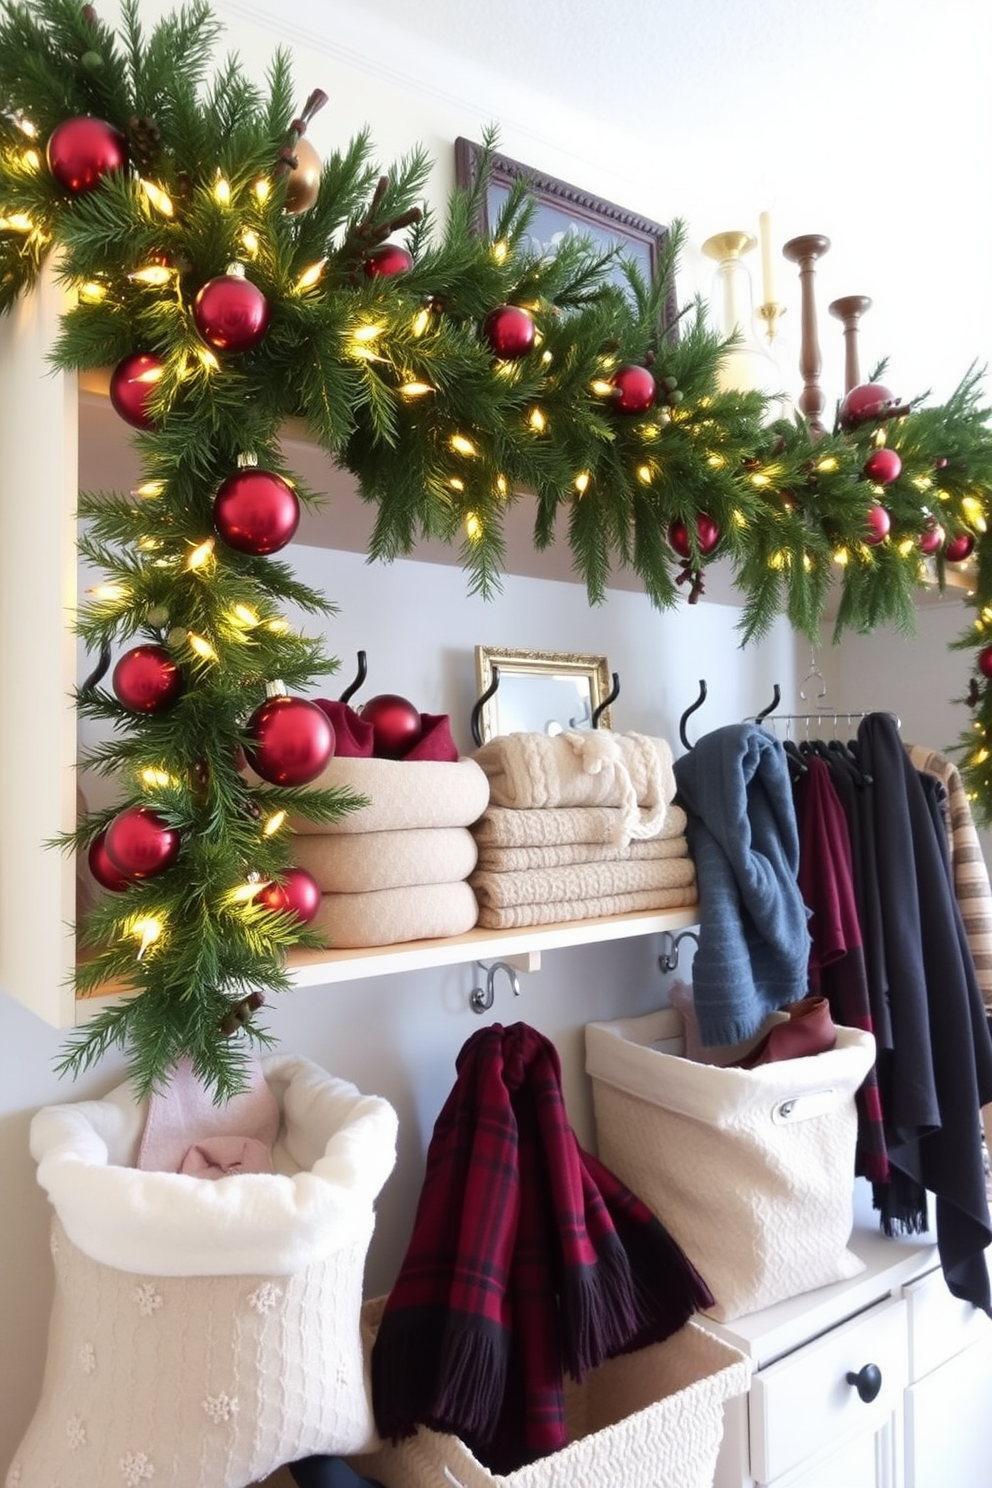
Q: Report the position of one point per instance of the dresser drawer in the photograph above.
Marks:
(804, 1401)
(940, 1325)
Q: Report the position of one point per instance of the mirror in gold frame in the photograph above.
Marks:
(543, 692)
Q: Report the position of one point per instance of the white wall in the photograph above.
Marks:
(729, 127)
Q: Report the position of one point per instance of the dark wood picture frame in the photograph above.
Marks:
(562, 206)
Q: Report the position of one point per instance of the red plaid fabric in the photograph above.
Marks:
(528, 1259)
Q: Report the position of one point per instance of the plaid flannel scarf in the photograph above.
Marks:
(528, 1259)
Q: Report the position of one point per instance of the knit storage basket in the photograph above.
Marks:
(204, 1332)
(648, 1419)
(752, 1171)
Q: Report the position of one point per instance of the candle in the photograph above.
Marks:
(767, 269)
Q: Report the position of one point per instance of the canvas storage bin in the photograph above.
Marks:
(204, 1332)
(752, 1171)
(648, 1419)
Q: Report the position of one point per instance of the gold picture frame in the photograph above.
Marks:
(540, 692)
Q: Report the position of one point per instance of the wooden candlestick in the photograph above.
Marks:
(849, 311)
(805, 251)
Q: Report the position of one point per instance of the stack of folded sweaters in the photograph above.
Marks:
(398, 868)
(578, 825)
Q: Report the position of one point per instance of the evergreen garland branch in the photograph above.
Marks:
(398, 379)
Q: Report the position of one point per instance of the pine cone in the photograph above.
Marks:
(145, 140)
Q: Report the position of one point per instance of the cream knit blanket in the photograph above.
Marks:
(593, 767)
(517, 859)
(559, 826)
(403, 793)
(385, 917)
(582, 881)
(361, 861)
(555, 912)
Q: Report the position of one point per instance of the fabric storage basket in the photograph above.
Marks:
(648, 1419)
(752, 1171)
(204, 1332)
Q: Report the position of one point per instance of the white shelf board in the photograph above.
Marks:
(326, 968)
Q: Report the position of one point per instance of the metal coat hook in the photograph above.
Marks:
(99, 671)
(476, 719)
(610, 697)
(689, 712)
(481, 999)
(668, 960)
(360, 676)
(770, 708)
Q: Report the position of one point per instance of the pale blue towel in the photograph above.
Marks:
(744, 839)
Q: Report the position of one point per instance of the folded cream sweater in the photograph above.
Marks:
(592, 767)
(586, 881)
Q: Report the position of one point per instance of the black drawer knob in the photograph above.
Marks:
(867, 1381)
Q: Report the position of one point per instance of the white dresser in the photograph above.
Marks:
(884, 1381)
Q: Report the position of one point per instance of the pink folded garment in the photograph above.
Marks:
(186, 1132)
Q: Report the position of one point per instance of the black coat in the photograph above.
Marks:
(938, 1072)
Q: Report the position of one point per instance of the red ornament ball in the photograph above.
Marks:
(140, 843)
(271, 896)
(81, 151)
(231, 313)
(879, 525)
(303, 180)
(635, 389)
(985, 661)
(102, 868)
(707, 536)
(883, 466)
(256, 512)
(132, 383)
(509, 332)
(930, 539)
(147, 679)
(958, 548)
(385, 261)
(301, 892)
(869, 400)
(289, 740)
(298, 895)
(396, 724)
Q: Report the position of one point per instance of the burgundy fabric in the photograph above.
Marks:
(528, 1259)
(837, 961)
(808, 1029)
(352, 735)
(435, 742)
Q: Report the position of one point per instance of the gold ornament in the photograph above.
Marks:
(303, 180)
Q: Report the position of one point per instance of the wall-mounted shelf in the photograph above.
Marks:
(322, 968)
(86, 446)
(316, 967)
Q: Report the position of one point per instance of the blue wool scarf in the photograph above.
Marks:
(743, 837)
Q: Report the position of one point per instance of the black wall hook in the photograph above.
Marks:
(776, 699)
(610, 697)
(99, 671)
(689, 711)
(360, 676)
(476, 719)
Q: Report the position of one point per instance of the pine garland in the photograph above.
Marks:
(394, 376)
